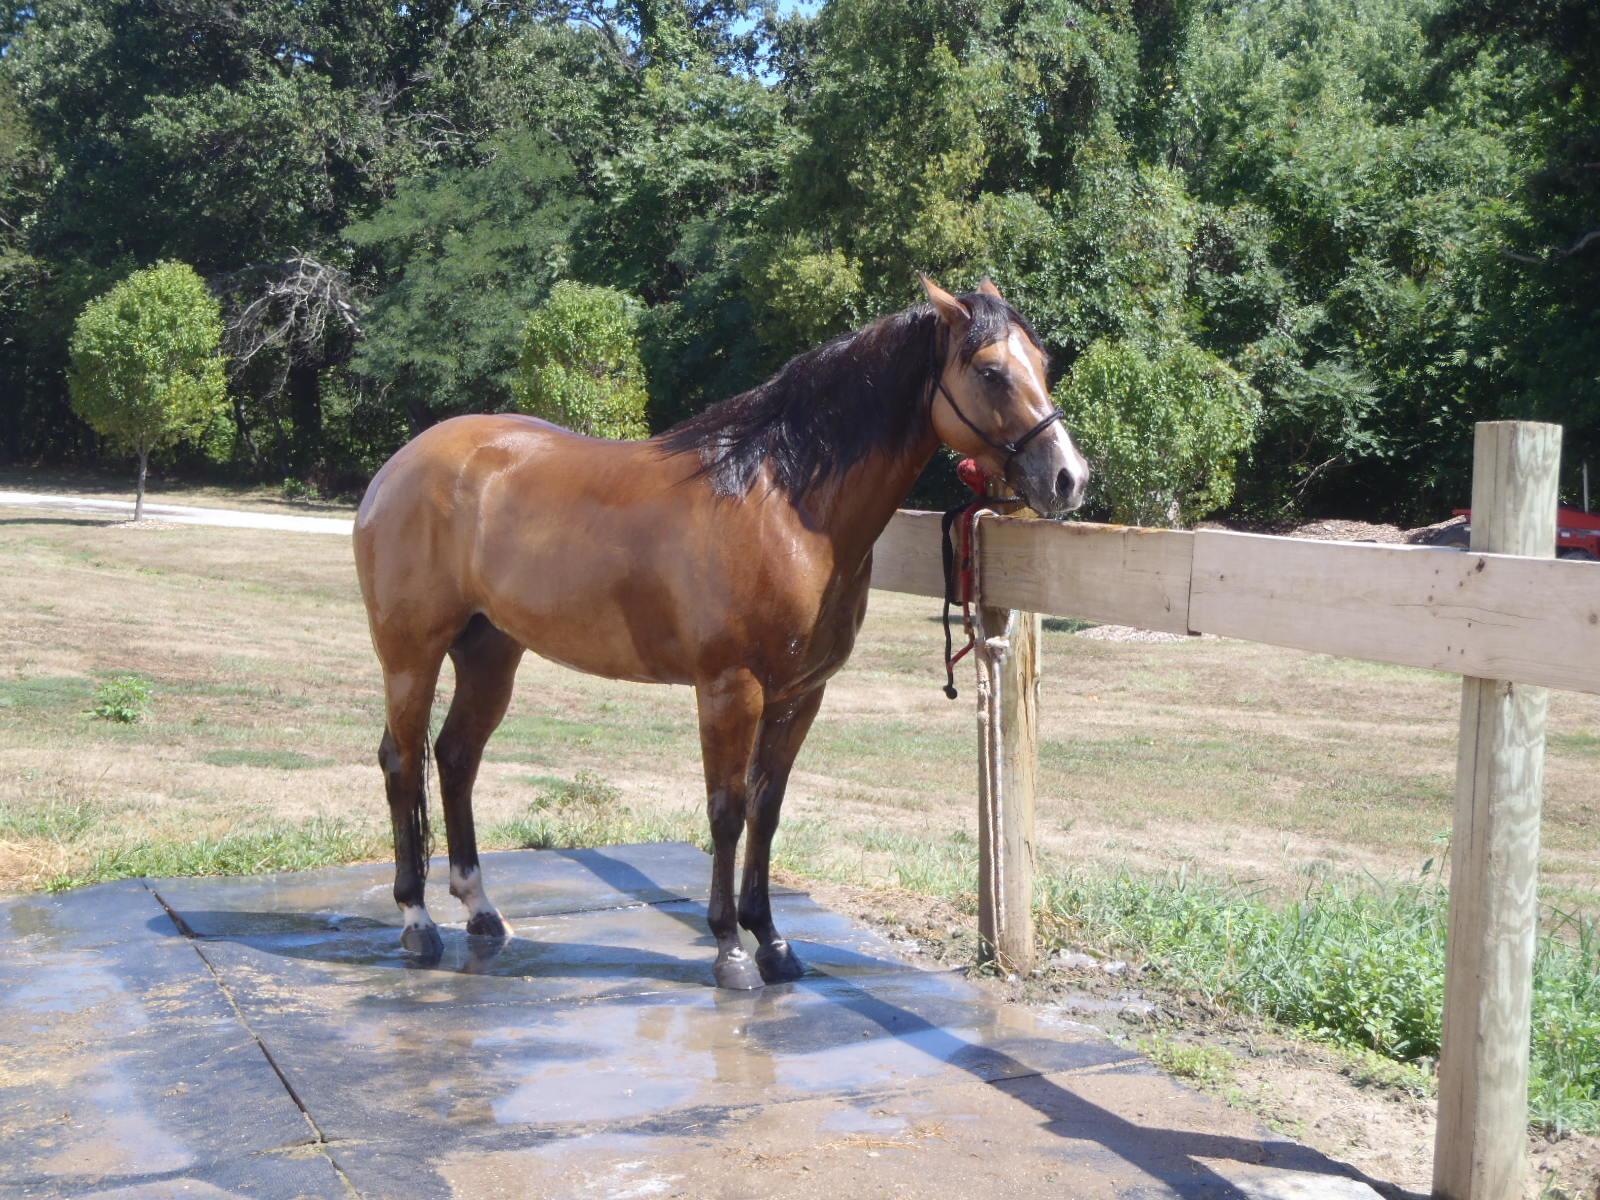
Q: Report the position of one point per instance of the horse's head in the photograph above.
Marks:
(990, 400)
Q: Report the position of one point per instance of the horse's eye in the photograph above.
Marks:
(991, 374)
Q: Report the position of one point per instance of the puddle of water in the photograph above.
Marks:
(1136, 1006)
(113, 1134)
(64, 991)
(594, 1091)
(857, 1120)
(626, 1062)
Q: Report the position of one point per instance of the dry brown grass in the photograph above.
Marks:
(1258, 763)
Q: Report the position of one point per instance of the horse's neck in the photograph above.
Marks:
(858, 508)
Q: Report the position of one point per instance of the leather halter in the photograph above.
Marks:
(1009, 449)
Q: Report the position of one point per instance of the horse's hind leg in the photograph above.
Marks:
(486, 663)
(408, 684)
(783, 731)
(730, 713)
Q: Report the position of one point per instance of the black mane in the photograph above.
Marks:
(828, 408)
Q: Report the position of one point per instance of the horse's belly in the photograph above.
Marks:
(598, 638)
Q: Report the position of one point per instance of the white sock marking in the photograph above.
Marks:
(467, 886)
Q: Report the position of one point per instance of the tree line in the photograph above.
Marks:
(1283, 253)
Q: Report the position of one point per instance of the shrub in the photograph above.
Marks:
(1164, 434)
(146, 371)
(803, 295)
(123, 699)
(580, 364)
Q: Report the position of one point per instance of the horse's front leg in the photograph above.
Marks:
(783, 731)
(730, 714)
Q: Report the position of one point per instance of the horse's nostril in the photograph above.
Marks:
(1064, 483)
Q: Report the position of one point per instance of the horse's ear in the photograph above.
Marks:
(988, 288)
(952, 311)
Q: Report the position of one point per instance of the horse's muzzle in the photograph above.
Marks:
(1051, 475)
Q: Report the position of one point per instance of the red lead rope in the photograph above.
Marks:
(964, 515)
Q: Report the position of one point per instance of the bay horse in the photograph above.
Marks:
(731, 553)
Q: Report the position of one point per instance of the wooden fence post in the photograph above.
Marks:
(1483, 1066)
(1007, 652)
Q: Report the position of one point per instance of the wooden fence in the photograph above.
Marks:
(1504, 614)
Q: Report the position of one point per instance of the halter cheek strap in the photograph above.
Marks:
(1009, 449)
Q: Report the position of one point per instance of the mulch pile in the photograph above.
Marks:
(1359, 531)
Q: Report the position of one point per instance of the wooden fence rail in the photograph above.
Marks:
(1504, 615)
(1491, 616)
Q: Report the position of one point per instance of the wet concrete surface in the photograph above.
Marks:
(266, 1037)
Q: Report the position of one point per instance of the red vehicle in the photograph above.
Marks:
(1577, 533)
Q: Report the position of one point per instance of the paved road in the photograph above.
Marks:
(177, 514)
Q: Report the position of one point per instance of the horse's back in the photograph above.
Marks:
(528, 523)
(440, 467)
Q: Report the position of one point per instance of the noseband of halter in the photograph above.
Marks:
(1009, 449)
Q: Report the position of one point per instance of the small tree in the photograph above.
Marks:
(580, 364)
(146, 371)
(1165, 434)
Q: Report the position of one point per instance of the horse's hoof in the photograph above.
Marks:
(778, 963)
(737, 972)
(488, 924)
(423, 941)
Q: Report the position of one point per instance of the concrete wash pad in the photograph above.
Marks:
(266, 1037)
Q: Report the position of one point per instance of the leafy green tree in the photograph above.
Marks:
(803, 295)
(891, 147)
(580, 365)
(1533, 68)
(1381, 215)
(26, 426)
(1346, 247)
(1164, 433)
(679, 181)
(464, 252)
(242, 139)
(146, 371)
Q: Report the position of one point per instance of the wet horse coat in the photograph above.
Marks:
(731, 554)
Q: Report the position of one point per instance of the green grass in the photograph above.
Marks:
(1580, 742)
(1365, 1068)
(1209, 1066)
(31, 696)
(55, 820)
(1354, 967)
(282, 760)
(588, 811)
(1066, 625)
(274, 847)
